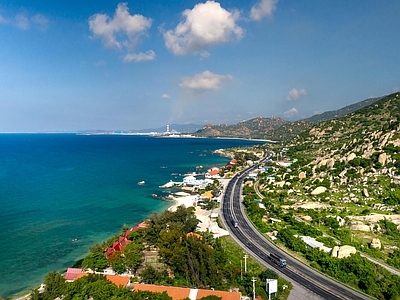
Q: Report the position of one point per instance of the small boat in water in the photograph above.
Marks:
(141, 182)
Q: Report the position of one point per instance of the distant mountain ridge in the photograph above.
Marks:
(277, 129)
(334, 114)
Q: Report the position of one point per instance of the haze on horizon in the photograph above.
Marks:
(69, 65)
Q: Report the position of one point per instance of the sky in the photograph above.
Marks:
(87, 65)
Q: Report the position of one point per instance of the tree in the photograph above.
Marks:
(211, 297)
(96, 261)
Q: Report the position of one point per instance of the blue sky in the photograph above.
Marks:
(80, 65)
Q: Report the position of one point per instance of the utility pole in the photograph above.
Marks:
(241, 270)
(245, 263)
(254, 287)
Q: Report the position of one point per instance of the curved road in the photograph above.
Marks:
(259, 247)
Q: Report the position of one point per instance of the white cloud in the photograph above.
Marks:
(122, 31)
(291, 113)
(149, 55)
(166, 96)
(207, 24)
(295, 94)
(203, 82)
(21, 21)
(262, 9)
(24, 21)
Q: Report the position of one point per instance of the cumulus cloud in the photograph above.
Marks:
(207, 24)
(262, 9)
(149, 55)
(166, 96)
(203, 82)
(296, 94)
(291, 113)
(122, 31)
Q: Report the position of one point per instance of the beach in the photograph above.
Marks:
(207, 217)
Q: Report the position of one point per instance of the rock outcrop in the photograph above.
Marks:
(376, 244)
(318, 190)
(343, 251)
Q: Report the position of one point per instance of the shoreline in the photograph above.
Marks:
(187, 201)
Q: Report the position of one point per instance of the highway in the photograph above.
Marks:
(257, 245)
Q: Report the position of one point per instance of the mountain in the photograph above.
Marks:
(277, 129)
(334, 114)
(340, 179)
(255, 128)
(363, 132)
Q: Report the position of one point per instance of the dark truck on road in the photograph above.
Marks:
(278, 260)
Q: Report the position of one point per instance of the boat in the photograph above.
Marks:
(141, 182)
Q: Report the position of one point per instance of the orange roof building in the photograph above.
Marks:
(123, 281)
(178, 293)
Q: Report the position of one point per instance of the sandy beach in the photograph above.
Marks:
(207, 217)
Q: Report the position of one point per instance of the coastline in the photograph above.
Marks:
(204, 216)
(115, 193)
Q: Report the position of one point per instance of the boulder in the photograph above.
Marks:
(376, 244)
(343, 251)
(302, 175)
(330, 163)
(365, 193)
(307, 218)
(340, 220)
(351, 157)
(382, 158)
(360, 227)
(318, 190)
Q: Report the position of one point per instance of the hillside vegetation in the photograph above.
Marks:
(276, 129)
(338, 182)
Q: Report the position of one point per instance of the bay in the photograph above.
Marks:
(62, 193)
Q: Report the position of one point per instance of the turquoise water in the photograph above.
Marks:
(55, 188)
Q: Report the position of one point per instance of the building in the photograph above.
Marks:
(121, 281)
(178, 293)
(213, 173)
(72, 274)
(191, 181)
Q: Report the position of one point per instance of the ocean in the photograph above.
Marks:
(62, 193)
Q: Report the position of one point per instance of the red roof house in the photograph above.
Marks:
(72, 274)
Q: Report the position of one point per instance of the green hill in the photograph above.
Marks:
(277, 129)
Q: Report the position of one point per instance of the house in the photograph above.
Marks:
(284, 163)
(178, 293)
(72, 274)
(233, 162)
(313, 243)
(252, 175)
(213, 173)
(117, 246)
(192, 181)
(118, 280)
(208, 195)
